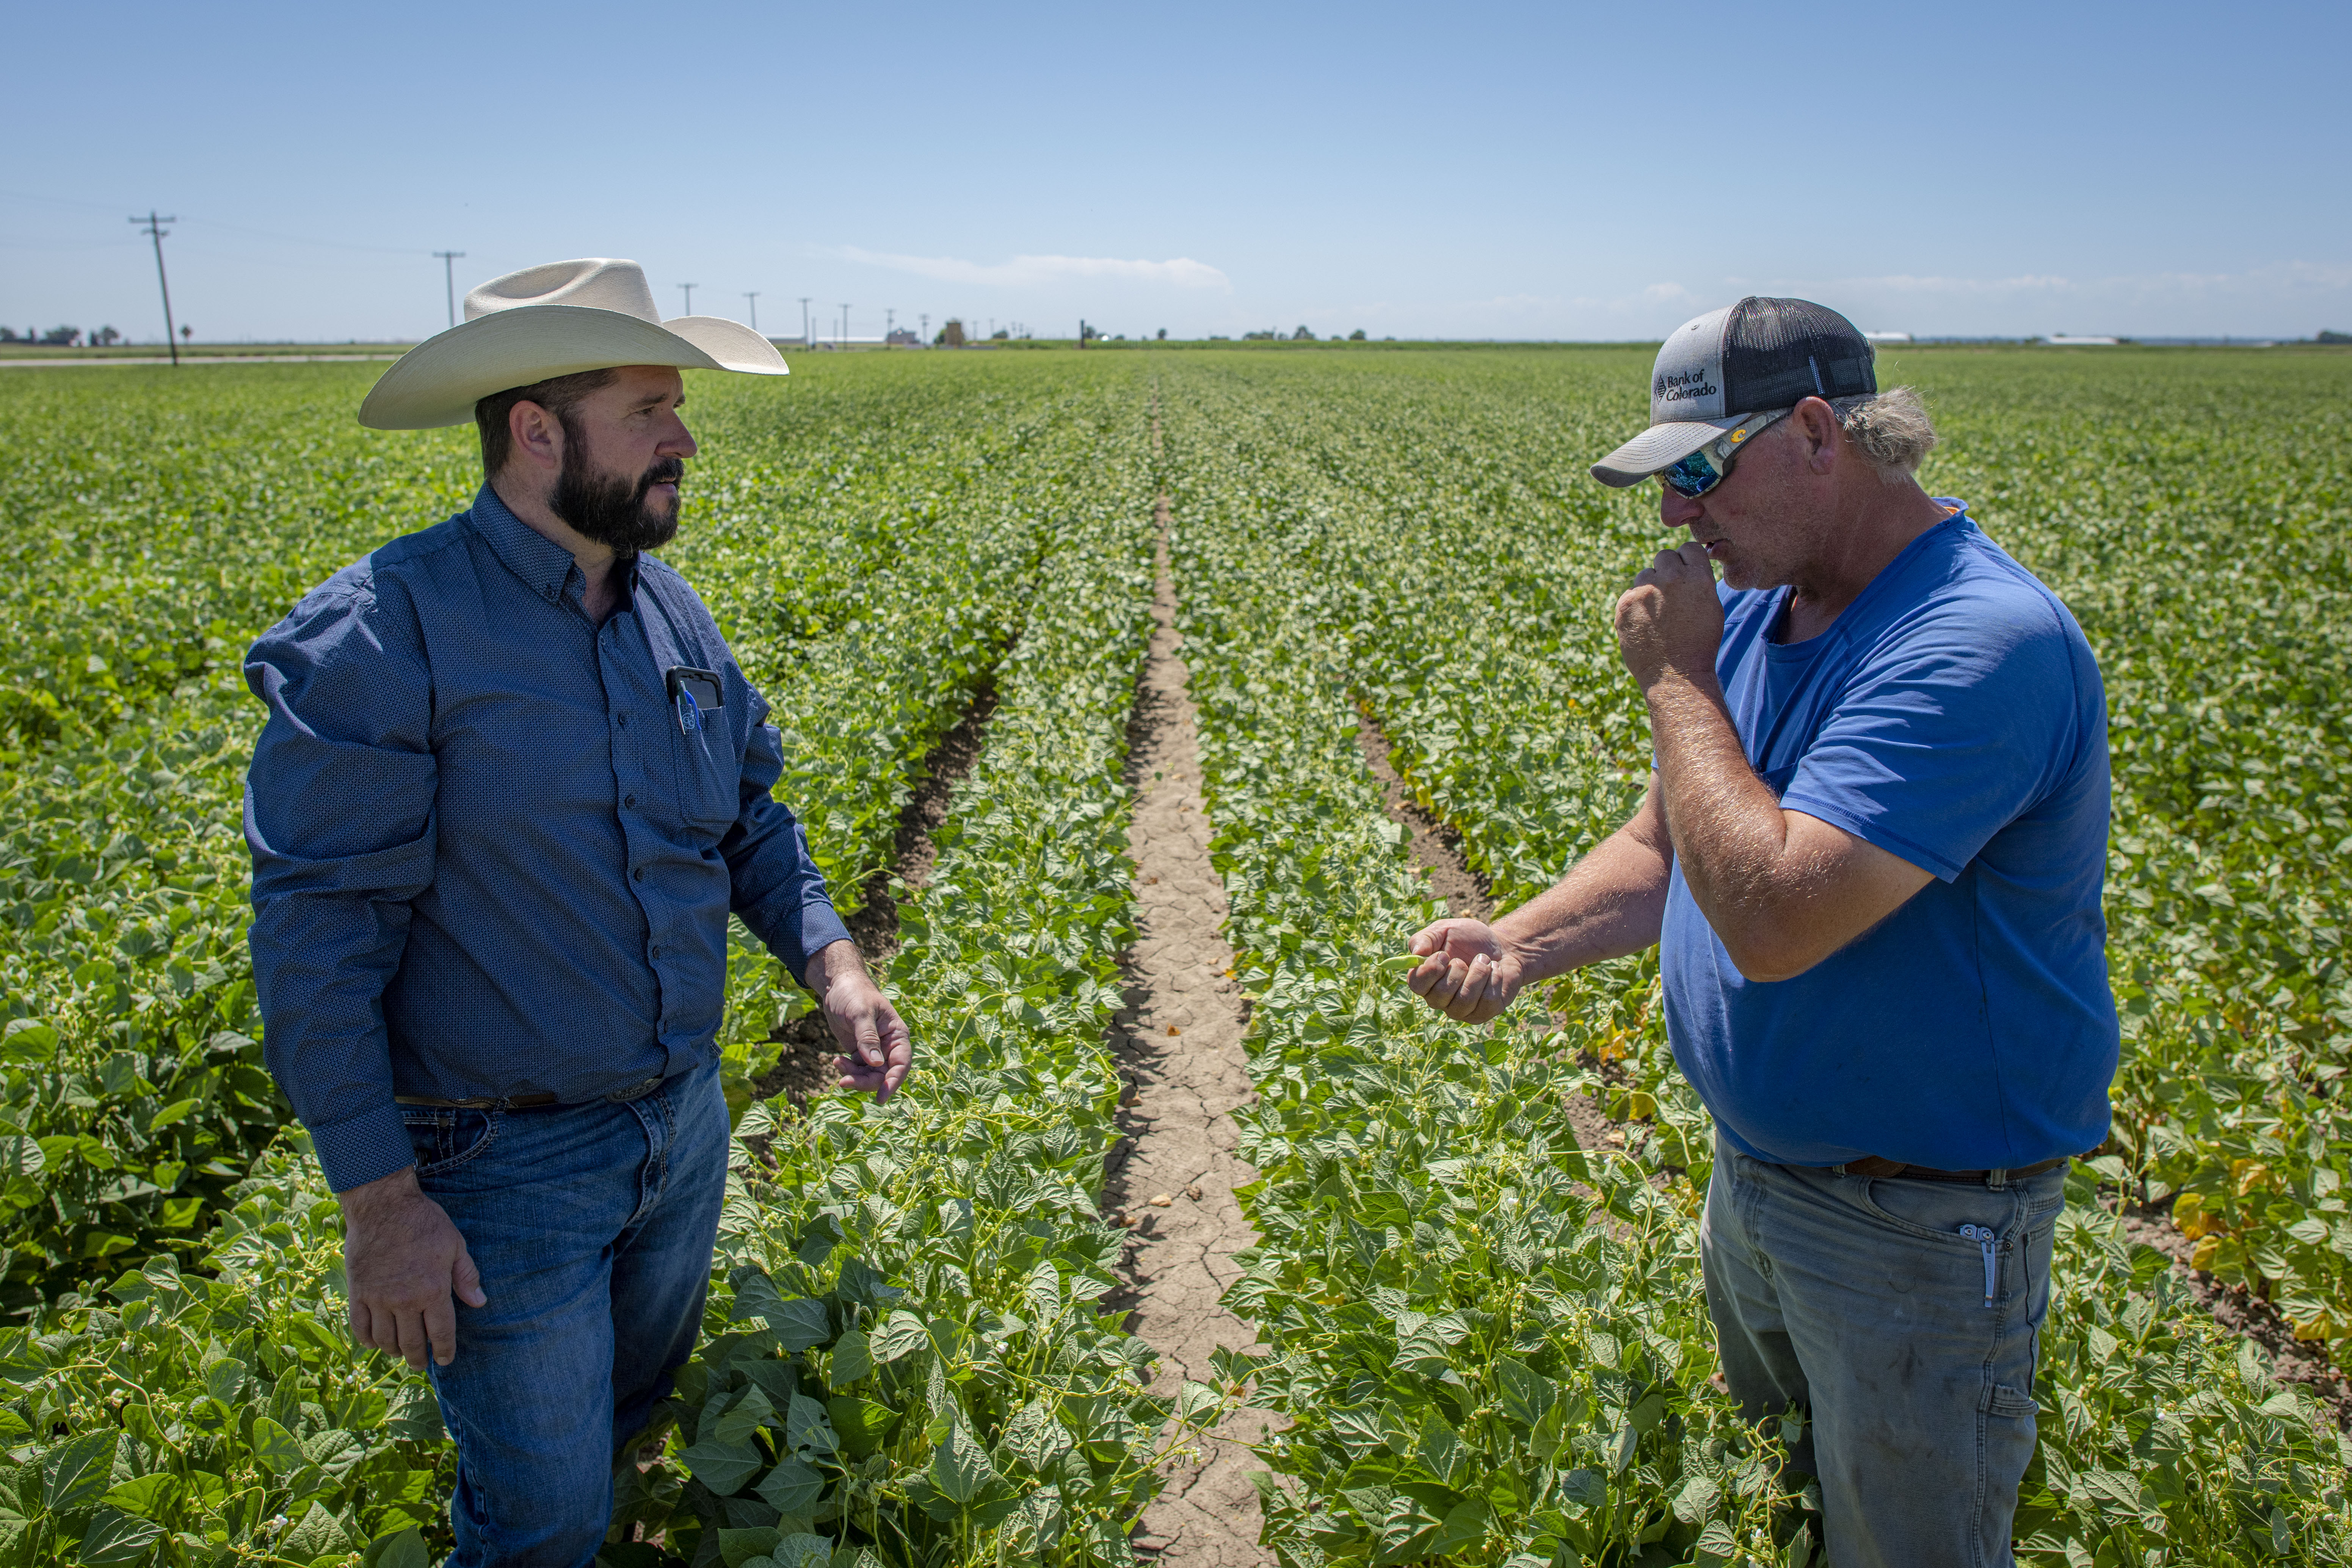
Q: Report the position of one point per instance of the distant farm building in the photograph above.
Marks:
(1888, 337)
(2068, 341)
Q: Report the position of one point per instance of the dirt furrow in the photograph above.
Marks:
(805, 1064)
(1180, 1042)
(1437, 849)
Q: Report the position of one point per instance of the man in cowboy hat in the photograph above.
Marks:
(1871, 854)
(511, 786)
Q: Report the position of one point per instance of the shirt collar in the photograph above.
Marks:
(545, 567)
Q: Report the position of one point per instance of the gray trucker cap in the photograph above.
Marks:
(1730, 365)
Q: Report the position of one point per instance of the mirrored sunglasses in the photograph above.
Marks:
(1711, 464)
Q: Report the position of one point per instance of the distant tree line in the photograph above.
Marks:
(62, 337)
(1301, 336)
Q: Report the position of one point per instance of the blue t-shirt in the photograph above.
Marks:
(1952, 716)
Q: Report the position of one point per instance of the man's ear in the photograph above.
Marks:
(536, 438)
(1816, 424)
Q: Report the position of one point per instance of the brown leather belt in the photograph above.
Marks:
(1878, 1170)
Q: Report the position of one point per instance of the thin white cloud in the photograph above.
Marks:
(1032, 271)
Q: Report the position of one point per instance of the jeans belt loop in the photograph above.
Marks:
(1997, 1178)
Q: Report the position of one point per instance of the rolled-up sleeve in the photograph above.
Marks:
(339, 814)
(777, 887)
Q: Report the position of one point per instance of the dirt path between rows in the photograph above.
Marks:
(1179, 1041)
(1437, 849)
(804, 1064)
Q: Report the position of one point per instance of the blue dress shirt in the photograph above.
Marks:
(490, 858)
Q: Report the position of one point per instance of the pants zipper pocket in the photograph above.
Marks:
(1986, 1243)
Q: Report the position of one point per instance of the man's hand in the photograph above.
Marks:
(879, 1053)
(1670, 621)
(402, 1259)
(1467, 973)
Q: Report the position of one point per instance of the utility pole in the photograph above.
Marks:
(927, 329)
(844, 324)
(689, 297)
(753, 296)
(449, 279)
(890, 323)
(808, 335)
(155, 231)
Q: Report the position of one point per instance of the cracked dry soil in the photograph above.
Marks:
(1179, 1041)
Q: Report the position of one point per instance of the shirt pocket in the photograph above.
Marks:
(709, 776)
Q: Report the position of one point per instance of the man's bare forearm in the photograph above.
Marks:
(1782, 890)
(1726, 825)
(1610, 904)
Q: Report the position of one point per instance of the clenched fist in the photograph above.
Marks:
(1670, 621)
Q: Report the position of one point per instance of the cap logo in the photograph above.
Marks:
(1680, 385)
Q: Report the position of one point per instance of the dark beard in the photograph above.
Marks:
(614, 510)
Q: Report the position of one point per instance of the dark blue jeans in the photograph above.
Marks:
(593, 1225)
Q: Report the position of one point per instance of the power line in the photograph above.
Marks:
(156, 231)
(450, 279)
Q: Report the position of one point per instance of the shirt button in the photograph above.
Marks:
(656, 950)
(639, 873)
(623, 721)
(629, 800)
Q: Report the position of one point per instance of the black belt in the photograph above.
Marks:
(524, 1101)
(1870, 1165)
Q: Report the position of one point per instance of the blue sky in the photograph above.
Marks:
(1466, 170)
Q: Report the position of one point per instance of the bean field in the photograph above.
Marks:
(1480, 1330)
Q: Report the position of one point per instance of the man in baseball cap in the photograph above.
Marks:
(511, 786)
(1871, 854)
(1722, 378)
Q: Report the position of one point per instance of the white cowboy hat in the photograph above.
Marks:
(556, 319)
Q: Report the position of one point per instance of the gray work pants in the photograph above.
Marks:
(1911, 1344)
